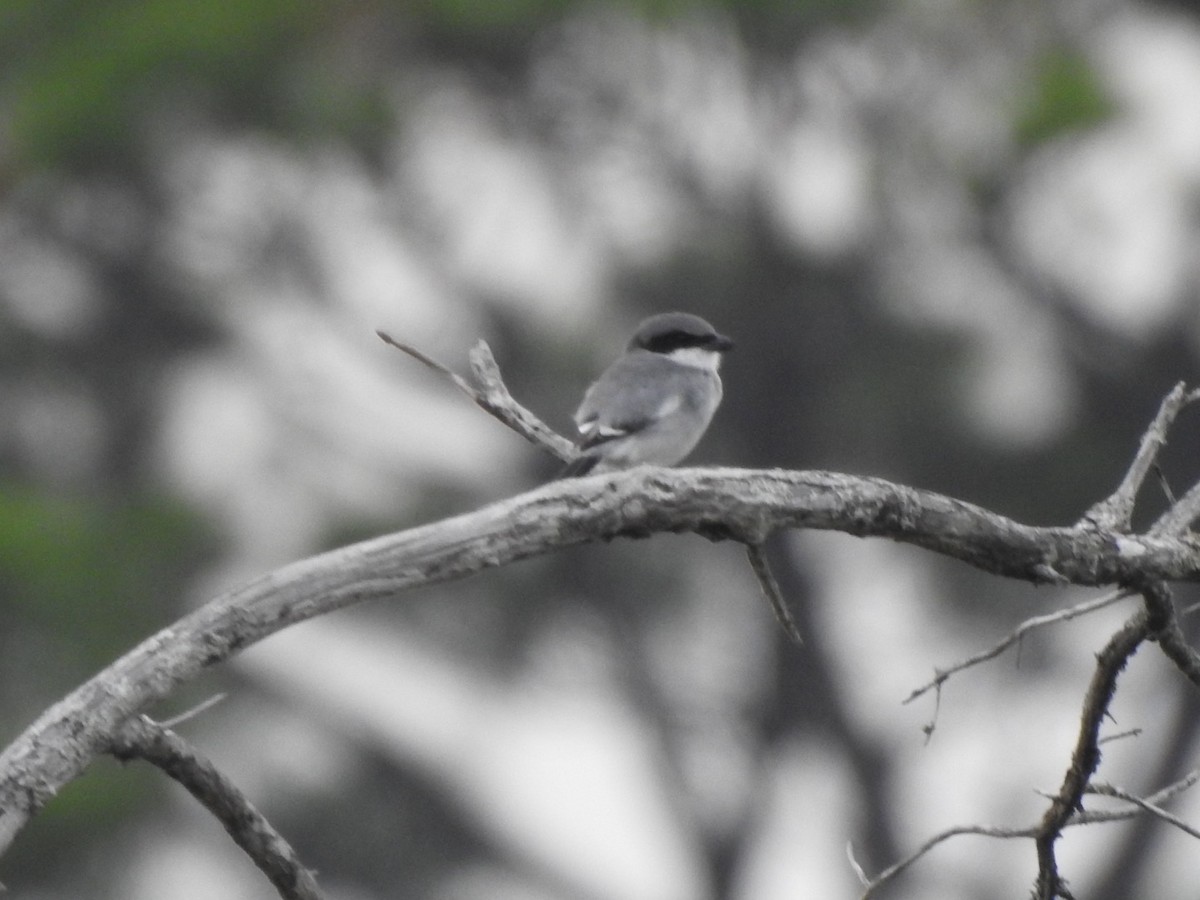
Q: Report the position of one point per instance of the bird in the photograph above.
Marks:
(654, 403)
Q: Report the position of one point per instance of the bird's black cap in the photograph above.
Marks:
(675, 330)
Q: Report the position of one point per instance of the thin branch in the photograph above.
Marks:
(771, 590)
(189, 714)
(1120, 735)
(1165, 485)
(1115, 512)
(142, 738)
(1062, 615)
(1162, 795)
(1086, 756)
(461, 383)
(872, 885)
(931, 726)
(1159, 797)
(491, 395)
(1106, 790)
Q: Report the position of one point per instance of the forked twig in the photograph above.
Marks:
(1062, 615)
(1150, 805)
(491, 395)
(1147, 804)
(1157, 621)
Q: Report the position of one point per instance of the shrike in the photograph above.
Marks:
(653, 404)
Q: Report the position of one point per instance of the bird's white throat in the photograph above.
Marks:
(698, 357)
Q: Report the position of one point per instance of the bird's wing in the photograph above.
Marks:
(633, 393)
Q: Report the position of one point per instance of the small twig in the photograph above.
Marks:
(859, 872)
(1173, 790)
(142, 738)
(1062, 615)
(186, 715)
(493, 397)
(1115, 512)
(420, 357)
(872, 885)
(1165, 485)
(770, 588)
(931, 726)
(1105, 816)
(1150, 806)
(1120, 735)
(1162, 795)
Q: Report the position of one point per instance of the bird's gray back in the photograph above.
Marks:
(630, 393)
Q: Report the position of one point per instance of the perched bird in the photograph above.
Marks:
(653, 404)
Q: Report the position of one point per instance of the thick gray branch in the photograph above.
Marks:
(739, 504)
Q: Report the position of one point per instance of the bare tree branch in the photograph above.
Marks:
(140, 737)
(738, 504)
(1157, 620)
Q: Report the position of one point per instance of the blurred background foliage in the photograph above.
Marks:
(955, 242)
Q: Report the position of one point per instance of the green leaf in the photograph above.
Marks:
(1067, 95)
